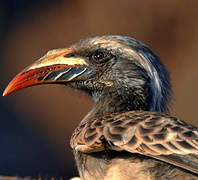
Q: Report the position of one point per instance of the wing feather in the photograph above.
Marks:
(151, 134)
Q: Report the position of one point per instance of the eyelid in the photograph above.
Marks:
(107, 55)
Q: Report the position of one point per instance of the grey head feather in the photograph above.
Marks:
(160, 88)
(159, 81)
(159, 78)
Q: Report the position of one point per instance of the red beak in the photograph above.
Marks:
(57, 66)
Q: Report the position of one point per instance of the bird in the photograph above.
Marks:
(129, 133)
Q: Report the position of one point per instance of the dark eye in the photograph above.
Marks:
(99, 56)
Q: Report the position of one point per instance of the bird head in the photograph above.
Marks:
(113, 66)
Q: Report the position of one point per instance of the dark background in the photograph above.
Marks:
(36, 123)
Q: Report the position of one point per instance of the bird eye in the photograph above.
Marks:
(99, 56)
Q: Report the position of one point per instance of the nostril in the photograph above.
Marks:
(69, 55)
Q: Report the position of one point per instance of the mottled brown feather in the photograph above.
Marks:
(148, 133)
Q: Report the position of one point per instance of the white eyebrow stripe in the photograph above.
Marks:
(143, 60)
(153, 73)
(57, 60)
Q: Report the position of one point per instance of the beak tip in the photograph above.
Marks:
(5, 92)
(8, 90)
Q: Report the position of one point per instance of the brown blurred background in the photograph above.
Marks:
(36, 123)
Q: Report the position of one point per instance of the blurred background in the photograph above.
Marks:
(36, 123)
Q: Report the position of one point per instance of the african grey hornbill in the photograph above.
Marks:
(128, 134)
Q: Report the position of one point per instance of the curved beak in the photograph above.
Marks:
(57, 66)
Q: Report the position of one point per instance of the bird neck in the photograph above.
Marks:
(115, 101)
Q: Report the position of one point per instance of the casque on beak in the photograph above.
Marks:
(57, 66)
